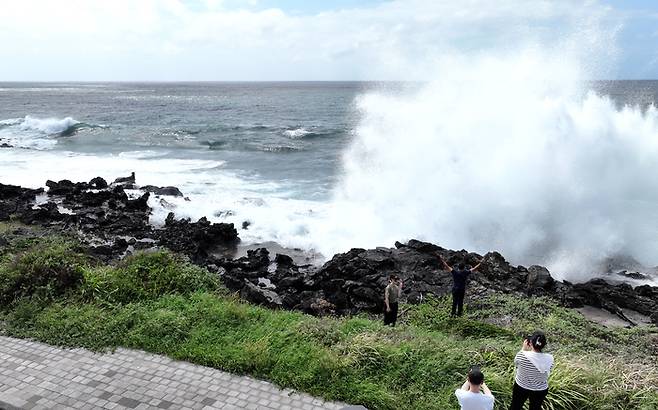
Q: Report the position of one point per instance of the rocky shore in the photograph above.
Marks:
(111, 224)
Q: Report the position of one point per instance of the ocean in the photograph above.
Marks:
(287, 157)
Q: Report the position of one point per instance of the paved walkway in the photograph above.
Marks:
(38, 376)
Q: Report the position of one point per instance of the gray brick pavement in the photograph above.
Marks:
(38, 376)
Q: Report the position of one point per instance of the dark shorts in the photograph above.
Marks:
(391, 317)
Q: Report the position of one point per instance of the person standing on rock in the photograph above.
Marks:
(391, 298)
(459, 277)
(532, 370)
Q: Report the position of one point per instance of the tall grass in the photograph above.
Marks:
(160, 303)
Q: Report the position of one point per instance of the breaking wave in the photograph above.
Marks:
(510, 153)
(36, 133)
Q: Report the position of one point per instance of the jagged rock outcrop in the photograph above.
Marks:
(196, 239)
(354, 281)
(15, 199)
(167, 190)
(113, 225)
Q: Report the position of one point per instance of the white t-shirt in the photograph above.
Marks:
(474, 401)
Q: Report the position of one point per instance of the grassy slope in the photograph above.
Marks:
(160, 303)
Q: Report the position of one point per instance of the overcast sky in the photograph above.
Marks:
(228, 40)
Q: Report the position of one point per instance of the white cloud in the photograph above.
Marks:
(177, 40)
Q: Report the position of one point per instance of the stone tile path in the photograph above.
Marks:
(38, 376)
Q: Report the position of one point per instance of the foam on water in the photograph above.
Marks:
(48, 126)
(210, 190)
(36, 133)
(297, 132)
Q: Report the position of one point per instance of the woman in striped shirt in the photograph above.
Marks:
(532, 370)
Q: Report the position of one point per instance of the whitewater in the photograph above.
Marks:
(530, 160)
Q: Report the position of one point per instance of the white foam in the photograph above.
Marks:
(34, 133)
(502, 153)
(297, 132)
(213, 192)
(11, 121)
(142, 154)
(48, 126)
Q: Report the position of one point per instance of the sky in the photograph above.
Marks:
(263, 40)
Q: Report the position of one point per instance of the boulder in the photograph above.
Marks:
(126, 180)
(538, 279)
(261, 296)
(167, 190)
(98, 183)
(138, 204)
(65, 187)
(43, 214)
(196, 239)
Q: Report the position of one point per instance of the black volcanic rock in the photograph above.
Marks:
(538, 279)
(43, 214)
(167, 190)
(139, 204)
(17, 192)
(350, 282)
(196, 239)
(65, 187)
(354, 281)
(15, 199)
(261, 296)
(126, 180)
(98, 183)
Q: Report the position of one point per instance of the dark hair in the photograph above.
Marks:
(475, 376)
(462, 266)
(537, 340)
(392, 276)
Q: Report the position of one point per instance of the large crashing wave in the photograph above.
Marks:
(509, 153)
(36, 133)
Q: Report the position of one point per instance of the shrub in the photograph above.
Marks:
(146, 275)
(45, 270)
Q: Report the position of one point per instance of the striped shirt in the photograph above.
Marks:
(527, 374)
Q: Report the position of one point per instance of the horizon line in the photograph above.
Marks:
(258, 81)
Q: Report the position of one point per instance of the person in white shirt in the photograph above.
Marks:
(474, 393)
(532, 370)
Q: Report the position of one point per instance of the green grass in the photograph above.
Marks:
(144, 276)
(47, 269)
(160, 303)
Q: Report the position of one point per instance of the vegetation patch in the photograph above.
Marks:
(160, 303)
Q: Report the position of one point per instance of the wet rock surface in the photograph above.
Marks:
(108, 220)
(113, 224)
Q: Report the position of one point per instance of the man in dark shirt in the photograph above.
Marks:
(459, 277)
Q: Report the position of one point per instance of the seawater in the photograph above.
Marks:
(331, 165)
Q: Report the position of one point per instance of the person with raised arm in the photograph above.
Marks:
(459, 277)
(532, 370)
(474, 393)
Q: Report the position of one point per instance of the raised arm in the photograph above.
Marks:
(466, 385)
(474, 268)
(448, 267)
(485, 389)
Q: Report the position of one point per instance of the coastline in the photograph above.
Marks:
(117, 281)
(112, 226)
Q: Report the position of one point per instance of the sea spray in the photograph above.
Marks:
(510, 153)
